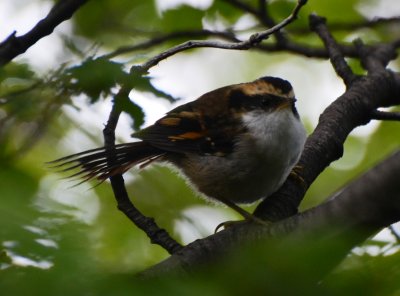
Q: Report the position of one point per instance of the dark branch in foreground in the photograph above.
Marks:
(363, 207)
(14, 46)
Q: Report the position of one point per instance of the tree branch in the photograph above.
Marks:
(318, 24)
(382, 115)
(376, 58)
(288, 46)
(156, 234)
(13, 46)
(363, 207)
(167, 37)
(261, 13)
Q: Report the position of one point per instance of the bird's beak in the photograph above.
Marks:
(286, 102)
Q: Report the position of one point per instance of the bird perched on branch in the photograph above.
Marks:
(236, 144)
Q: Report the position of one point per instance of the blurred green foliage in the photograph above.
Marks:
(48, 249)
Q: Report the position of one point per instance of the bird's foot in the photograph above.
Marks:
(296, 175)
(248, 218)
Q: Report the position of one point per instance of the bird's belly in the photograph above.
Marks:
(238, 180)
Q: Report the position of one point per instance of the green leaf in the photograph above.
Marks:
(106, 18)
(227, 11)
(134, 110)
(16, 70)
(182, 18)
(335, 11)
(280, 10)
(143, 84)
(14, 77)
(95, 76)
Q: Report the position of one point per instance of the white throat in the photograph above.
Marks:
(274, 132)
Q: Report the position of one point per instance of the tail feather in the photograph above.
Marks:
(102, 163)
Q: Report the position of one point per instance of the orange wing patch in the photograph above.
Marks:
(187, 136)
(170, 121)
(188, 114)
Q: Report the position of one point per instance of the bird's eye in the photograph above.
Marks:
(265, 102)
(236, 99)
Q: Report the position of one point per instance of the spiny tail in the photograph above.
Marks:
(102, 163)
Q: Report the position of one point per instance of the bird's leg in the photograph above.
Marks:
(246, 215)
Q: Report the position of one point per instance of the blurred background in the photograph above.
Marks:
(55, 100)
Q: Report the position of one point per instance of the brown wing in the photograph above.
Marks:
(196, 127)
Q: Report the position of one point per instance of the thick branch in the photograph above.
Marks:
(364, 206)
(14, 46)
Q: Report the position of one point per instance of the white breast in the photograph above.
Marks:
(276, 141)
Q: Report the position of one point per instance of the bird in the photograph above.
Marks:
(236, 144)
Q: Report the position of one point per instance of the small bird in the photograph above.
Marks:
(236, 144)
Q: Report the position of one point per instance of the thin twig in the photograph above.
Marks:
(167, 37)
(13, 46)
(267, 20)
(261, 13)
(382, 115)
(288, 45)
(318, 24)
(156, 234)
(253, 41)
